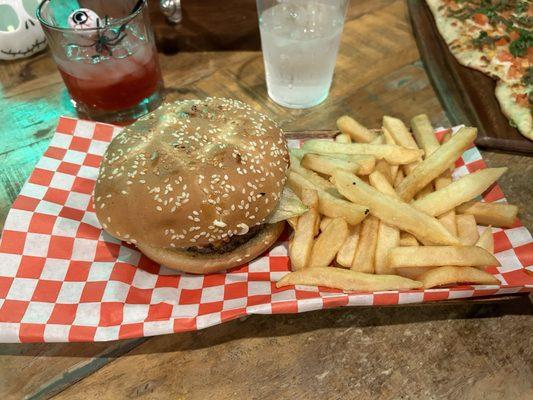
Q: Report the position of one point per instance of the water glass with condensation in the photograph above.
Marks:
(300, 41)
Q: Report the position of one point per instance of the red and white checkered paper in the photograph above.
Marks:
(63, 279)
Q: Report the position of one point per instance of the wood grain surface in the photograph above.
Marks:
(466, 351)
(467, 95)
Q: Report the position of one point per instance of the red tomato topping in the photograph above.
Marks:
(501, 42)
(514, 35)
(504, 56)
(521, 99)
(514, 72)
(480, 19)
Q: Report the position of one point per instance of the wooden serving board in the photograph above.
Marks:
(467, 95)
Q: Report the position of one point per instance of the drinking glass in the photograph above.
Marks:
(300, 40)
(108, 60)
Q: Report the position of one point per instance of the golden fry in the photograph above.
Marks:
(467, 229)
(381, 183)
(395, 212)
(388, 238)
(326, 165)
(459, 191)
(343, 138)
(448, 220)
(435, 256)
(486, 240)
(391, 153)
(329, 205)
(400, 176)
(363, 260)
(293, 222)
(424, 134)
(401, 136)
(347, 251)
(378, 140)
(445, 276)
(406, 239)
(324, 222)
(500, 215)
(384, 168)
(355, 130)
(346, 279)
(316, 180)
(328, 243)
(436, 163)
(302, 244)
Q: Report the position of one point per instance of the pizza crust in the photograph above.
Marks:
(520, 115)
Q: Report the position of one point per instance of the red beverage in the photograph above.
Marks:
(115, 83)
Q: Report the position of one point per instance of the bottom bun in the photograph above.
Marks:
(196, 263)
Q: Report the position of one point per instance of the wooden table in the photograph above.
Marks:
(467, 351)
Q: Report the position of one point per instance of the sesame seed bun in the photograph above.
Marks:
(192, 174)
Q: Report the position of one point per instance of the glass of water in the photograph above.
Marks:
(300, 40)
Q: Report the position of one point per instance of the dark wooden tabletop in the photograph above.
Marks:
(437, 351)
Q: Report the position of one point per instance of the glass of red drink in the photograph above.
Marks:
(105, 52)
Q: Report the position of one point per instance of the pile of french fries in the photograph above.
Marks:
(384, 213)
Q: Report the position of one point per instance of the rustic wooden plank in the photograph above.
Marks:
(438, 351)
(40, 370)
(467, 94)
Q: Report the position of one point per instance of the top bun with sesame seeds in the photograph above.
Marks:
(193, 183)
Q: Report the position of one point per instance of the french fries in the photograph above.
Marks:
(467, 229)
(345, 279)
(436, 163)
(399, 132)
(449, 222)
(316, 180)
(366, 162)
(486, 240)
(302, 244)
(328, 243)
(444, 276)
(500, 215)
(424, 134)
(293, 221)
(329, 205)
(378, 140)
(459, 191)
(363, 260)
(388, 238)
(393, 154)
(387, 136)
(324, 222)
(347, 251)
(326, 165)
(343, 138)
(381, 183)
(390, 217)
(406, 239)
(448, 218)
(399, 178)
(401, 136)
(355, 130)
(395, 212)
(435, 256)
(384, 169)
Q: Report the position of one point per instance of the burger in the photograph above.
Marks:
(197, 185)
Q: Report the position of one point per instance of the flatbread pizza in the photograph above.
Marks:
(496, 38)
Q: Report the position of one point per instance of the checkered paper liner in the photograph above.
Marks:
(63, 279)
